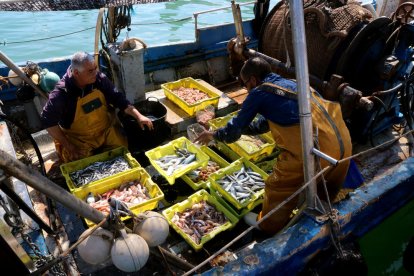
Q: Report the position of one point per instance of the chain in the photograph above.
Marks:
(17, 225)
(26, 158)
(40, 259)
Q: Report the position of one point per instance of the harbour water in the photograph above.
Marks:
(384, 246)
(43, 35)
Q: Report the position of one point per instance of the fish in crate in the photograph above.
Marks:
(199, 220)
(130, 193)
(172, 162)
(242, 184)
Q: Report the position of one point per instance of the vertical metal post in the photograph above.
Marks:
(98, 30)
(238, 24)
(302, 78)
(195, 24)
(111, 23)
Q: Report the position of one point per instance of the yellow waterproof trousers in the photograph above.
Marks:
(92, 128)
(287, 176)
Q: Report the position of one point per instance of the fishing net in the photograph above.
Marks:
(326, 27)
(59, 5)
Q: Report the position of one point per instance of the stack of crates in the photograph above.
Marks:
(78, 165)
(104, 185)
(137, 174)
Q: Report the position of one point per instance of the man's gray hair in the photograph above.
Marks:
(79, 59)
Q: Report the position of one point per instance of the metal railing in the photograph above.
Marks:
(196, 14)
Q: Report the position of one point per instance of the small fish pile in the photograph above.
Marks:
(251, 143)
(190, 95)
(171, 163)
(202, 174)
(242, 184)
(131, 193)
(99, 170)
(204, 116)
(199, 220)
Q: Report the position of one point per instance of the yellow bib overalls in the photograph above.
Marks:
(92, 127)
(287, 175)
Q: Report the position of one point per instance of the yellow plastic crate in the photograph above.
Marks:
(266, 163)
(213, 157)
(168, 149)
(227, 151)
(237, 213)
(140, 174)
(239, 147)
(236, 166)
(193, 199)
(191, 109)
(70, 167)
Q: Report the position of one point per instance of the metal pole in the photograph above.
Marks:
(33, 178)
(98, 30)
(302, 78)
(23, 206)
(111, 23)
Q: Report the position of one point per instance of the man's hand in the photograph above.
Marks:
(74, 152)
(145, 121)
(141, 119)
(205, 137)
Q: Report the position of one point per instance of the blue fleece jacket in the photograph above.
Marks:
(278, 109)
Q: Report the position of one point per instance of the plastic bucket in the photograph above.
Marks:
(139, 139)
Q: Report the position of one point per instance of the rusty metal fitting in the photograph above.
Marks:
(365, 103)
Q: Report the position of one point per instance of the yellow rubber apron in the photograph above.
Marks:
(92, 127)
(287, 175)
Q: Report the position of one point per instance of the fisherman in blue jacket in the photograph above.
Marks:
(275, 99)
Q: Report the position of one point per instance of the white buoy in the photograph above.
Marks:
(152, 227)
(14, 79)
(129, 252)
(96, 248)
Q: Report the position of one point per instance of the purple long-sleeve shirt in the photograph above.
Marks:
(61, 107)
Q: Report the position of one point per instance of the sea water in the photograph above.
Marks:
(384, 246)
(43, 35)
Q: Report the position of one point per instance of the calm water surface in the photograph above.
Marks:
(41, 35)
(384, 246)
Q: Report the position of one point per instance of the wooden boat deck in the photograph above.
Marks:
(371, 165)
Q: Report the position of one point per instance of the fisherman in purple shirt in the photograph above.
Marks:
(77, 114)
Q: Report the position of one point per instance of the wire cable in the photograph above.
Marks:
(46, 38)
